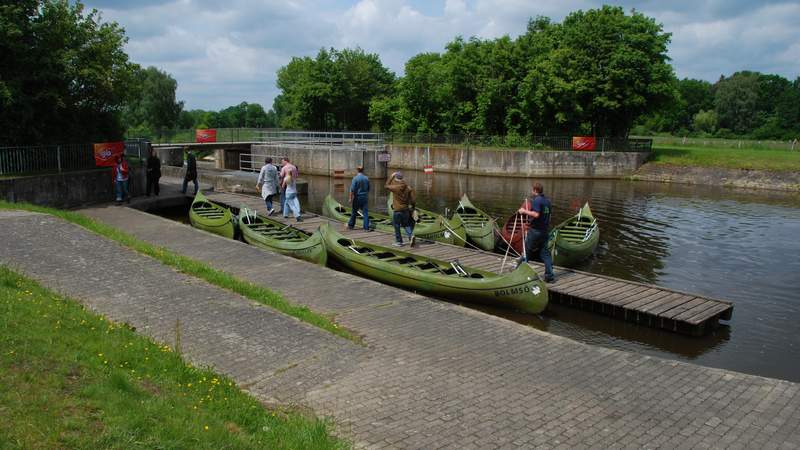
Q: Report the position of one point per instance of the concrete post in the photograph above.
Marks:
(58, 156)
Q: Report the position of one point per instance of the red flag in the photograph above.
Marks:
(583, 143)
(105, 153)
(205, 135)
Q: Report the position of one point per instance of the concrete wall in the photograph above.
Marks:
(517, 163)
(226, 180)
(326, 161)
(69, 189)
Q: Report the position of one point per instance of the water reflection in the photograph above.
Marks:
(738, 245)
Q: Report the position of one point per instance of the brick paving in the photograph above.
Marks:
(432, 374)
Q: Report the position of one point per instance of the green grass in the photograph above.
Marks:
(746, 158)
(73, 379)
(195, 268)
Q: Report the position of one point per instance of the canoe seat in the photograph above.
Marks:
(405, 260)
(383, 255)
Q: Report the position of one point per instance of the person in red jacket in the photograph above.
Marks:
(121, 171)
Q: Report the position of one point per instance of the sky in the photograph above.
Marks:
(223, 53)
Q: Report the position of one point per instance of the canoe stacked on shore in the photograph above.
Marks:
(436, 227)
(210, 216)
(571, 241)
(431, 228)
(284, 239)
(521, 289)
(480, 227)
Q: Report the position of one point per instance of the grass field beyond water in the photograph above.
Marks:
(728, 158)
(73, 379)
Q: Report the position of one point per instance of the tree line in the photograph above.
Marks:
(65, 77)
(600, 72)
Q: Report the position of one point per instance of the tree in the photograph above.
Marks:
(64, 76)
(331, 91)
(153, 104)
(705, 121)
(736, 102)
(607, 69)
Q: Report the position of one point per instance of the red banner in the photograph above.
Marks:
(105, 154)
(205, 135)
(584, 143)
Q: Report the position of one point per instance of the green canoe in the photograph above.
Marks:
(521, 289)
(431, 224)
(207, 215)
(433, 230)
(575, 239)
(480, 227)
(284, 239)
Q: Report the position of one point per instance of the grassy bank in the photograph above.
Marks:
(73, 379)
(194, 268)
(745, 158)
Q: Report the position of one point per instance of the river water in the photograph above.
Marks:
(737, 245)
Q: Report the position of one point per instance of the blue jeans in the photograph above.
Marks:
(283, 200)
(122, 190)
(536, 248)
(268, 202)
(359, 204)
(293, 203)
(402, 219)
(186, 182)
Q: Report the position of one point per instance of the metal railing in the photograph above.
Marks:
(252, 162)
(34, 159)
(188, 136)
(709, 142)
(517, 142)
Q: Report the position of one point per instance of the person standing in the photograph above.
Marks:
(359, 196)
(120, 172)
(289, 185)
(191, 172)
(538, 210)
(269, 183)
(286, 169)
(153, 171)
(403, 199)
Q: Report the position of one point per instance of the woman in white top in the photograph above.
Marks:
(268, 182)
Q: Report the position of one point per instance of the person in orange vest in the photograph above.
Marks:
(120, 174)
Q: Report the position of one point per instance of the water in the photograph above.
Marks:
(736, 245)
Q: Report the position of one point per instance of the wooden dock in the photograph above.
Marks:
(627, 300)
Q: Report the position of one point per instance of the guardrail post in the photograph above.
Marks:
(58, 156)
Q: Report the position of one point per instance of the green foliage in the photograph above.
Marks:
(705, 121)
(64, 76)
(597, 72)
(73, 379)
(153, 103)
(331, 91)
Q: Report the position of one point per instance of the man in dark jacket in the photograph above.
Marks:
(153, 171)
(191, 172)
(403, 201)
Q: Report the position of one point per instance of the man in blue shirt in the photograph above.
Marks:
(536, 242)
(359, 194)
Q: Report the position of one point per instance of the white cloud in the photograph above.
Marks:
(222, 54)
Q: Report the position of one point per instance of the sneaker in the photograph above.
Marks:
(299, 219)
(350, 228)
(549, 279)
(398, 244)
(285, 217)
(413, 241)
(271, 211)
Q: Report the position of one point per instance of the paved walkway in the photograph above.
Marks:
(432, 374)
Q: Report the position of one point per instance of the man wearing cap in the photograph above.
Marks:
(403, 199)
(359, 195)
